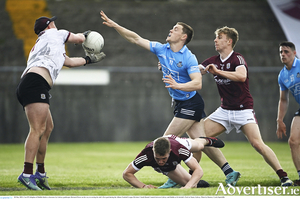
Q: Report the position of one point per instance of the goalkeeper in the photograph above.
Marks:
(45, 61)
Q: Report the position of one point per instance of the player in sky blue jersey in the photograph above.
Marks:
(177, 64)
(289, 80)
(182, 77)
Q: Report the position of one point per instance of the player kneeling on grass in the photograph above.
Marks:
(165, 154)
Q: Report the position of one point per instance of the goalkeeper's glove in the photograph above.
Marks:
(86, 33)
(93, 57)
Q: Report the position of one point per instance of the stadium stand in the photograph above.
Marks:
(259, 30)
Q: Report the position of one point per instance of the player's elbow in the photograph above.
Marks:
(242, 79)
(198, 172)
(70, 63)
(125, 174)
(198, 85)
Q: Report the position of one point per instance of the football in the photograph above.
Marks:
(94, 42)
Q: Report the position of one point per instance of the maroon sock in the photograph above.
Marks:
(28, 168)
(40, 167)
(281, 173)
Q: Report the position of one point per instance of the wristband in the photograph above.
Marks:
(143, 186)
(202, 67)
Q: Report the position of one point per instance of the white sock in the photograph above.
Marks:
(42, 174)
(26, 175)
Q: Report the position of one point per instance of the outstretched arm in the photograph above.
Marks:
(78, 38)
(128, 175)
(74, 61)
(129, 35)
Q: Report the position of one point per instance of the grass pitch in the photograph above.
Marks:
(95, 169)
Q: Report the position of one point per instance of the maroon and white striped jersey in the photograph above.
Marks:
(178, 153)
(234, 95)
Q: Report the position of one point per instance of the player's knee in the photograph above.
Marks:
(50, 127)
(293, 142)
(38, 131)
(258, 146)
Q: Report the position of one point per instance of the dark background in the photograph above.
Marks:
(135, 106)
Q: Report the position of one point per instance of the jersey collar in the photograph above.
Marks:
(223, 60)
(181, 50)
(294, 64)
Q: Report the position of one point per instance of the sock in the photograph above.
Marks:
(208, 140)
(299, 174)
(26, 175)
(40, 167)
(281, 173)
(226, 168)
(28, 168)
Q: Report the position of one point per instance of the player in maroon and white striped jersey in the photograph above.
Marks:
(165, 154)
(235, 95)
(230, 72)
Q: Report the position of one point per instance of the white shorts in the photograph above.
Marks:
(233, 118)
(184, 141)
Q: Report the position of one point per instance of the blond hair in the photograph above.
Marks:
(231, 33)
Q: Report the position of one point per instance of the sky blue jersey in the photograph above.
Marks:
(178, 64)
(290, 79)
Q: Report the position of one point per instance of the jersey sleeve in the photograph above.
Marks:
(64, 34)
(188, 159)
(184, 154)
(237, 60)
(281, 85)
(207, 62)
(142, 159)
(155, 47)
(193, 65)
(240, 60)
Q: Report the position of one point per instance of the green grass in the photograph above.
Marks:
(95, 169)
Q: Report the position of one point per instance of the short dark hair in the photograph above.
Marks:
(161, 146)
(288, 44)
(231, 33)
(188, 30)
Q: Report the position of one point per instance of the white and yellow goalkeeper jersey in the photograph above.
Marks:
(49, 52)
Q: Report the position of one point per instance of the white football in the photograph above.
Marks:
(94, 42)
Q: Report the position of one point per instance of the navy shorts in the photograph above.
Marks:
(192, 109)
(33, 88)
